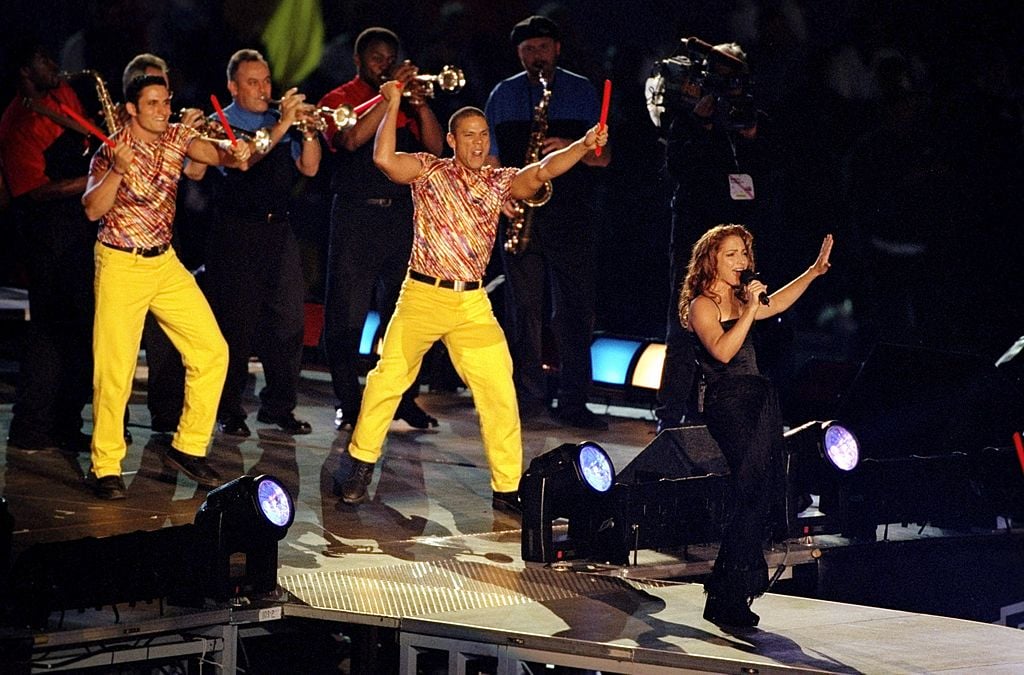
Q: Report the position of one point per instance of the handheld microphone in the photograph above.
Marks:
(746, 276)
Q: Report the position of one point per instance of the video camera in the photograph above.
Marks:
(698, 69)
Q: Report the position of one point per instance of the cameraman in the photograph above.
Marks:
(719, 154)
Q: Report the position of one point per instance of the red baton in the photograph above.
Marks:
(604, 111)
(223, 119)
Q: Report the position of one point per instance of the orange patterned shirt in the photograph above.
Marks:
(143, 212)
(456, 217)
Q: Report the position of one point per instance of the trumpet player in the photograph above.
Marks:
(254, 275)
(371, 217)
(131, 190)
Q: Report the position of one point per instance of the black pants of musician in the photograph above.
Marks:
(256, 289)
(742, 413)
(367, 258)
(560, 259)
(55, 378)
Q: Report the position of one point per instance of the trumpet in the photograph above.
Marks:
(212, 130)
(450, 79)
(312, 118)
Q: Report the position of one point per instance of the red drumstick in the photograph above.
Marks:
(1017, 441)
(369, 103)
(604, 111)
(366, 105)
(223, 119)
(89, 126)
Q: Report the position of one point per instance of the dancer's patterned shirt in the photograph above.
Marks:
(456, 217)
(143, 211)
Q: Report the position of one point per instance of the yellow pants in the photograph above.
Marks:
(128, 286)
(465, 323)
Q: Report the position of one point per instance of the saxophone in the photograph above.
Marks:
(107, 105)
(518, 232)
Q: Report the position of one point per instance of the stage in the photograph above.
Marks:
(426, 577)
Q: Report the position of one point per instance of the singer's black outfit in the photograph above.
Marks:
(742, 413)
(701, 161)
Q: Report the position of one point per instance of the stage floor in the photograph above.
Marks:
(428, 556)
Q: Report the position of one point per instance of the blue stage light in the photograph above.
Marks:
(274, 502)
(841, 447)
(611, 358)
(369, 336)
(574, 482)
(595, 467)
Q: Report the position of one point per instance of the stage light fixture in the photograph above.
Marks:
(818, 456)
(650, 363)
(229, 551)
(611, 359)
(627, 366)
(569, 482)
(242, 522)
(840, 447)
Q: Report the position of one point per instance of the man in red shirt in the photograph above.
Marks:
(370, 235)
(44, 155)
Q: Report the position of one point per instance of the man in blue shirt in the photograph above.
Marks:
(561, 250)
(254, 278)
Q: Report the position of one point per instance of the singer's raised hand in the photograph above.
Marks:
(822, 264)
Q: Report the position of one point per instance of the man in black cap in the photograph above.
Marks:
(532, 114)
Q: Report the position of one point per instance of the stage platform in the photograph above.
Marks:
(426, 577)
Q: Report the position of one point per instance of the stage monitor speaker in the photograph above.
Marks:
(675, 492)
(676, 453)
(915, 401)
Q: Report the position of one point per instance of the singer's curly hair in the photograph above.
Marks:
(700, 274)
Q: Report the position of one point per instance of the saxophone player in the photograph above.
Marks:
(45, 162)
(561, 252)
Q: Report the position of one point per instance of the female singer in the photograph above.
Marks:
(719, 303)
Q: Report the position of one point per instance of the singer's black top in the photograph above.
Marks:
(743, 363)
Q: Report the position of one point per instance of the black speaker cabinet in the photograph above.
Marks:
(675, 492)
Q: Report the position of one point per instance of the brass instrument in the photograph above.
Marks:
(106, 104)
(212, 130)
(450, 79)
(518, 232)
(316, 119)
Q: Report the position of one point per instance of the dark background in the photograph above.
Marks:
(922, 98)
